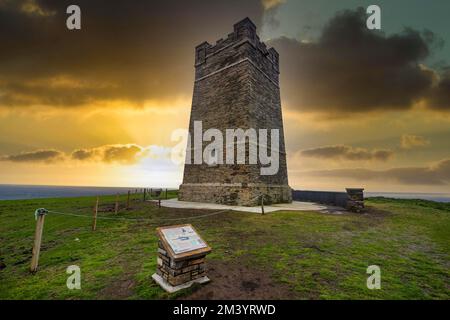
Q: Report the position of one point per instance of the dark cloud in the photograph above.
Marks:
(122, 154)
(353, 69)
(145, 51)
(347, 153)
(438, 174)
(35, 156)
(83, 154)
(438, 97)
(125, 154)
(136, 51)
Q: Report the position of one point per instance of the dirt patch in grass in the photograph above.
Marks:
(369, 218)
(230, 280)
(375, 212)
(123, 286)
(120, 289)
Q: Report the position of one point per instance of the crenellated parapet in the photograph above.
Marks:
(243, 44)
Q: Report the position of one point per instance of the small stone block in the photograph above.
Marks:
(177, 280)
(197, 261)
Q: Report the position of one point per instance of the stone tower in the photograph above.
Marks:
(236, 86)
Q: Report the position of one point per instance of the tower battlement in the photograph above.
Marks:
(242, 43)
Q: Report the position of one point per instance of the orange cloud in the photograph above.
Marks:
(409, 141)
(270, 4)
(348, 153)
(120, 154)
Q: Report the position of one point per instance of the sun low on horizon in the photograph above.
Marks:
(98, 106)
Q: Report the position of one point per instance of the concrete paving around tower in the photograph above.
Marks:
(294, 206)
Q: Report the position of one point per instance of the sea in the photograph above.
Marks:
(14, 192)
(438, 197)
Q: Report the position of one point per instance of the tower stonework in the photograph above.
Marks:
(236, 86)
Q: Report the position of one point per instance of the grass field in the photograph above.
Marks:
(281, 255)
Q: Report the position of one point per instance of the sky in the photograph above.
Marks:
(97, 106)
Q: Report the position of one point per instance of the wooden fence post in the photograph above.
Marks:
(145, 190)
(151, 194)
(94, 221)
(116, 207)
(262, 204)
(128, 200)
(40, 216)
(159, 203)
(166, 193)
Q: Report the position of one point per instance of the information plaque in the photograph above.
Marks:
(182, 241)
(181, 258)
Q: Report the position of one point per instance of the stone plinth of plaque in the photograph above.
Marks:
(355, 200)
(181, 258)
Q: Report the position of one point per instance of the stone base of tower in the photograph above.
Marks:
(235, 194)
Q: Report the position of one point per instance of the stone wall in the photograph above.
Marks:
(236, 86)
(326, 197)
(352, 199)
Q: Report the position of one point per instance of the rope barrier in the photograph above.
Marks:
(143, 218)
(136, 219)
